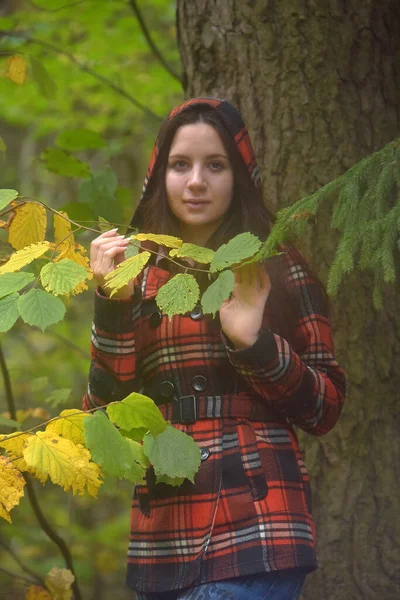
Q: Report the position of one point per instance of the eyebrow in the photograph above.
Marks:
(182, 155)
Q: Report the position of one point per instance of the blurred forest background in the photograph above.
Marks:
(49, 370)
(318, 83)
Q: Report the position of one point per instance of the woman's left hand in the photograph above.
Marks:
(241, 316)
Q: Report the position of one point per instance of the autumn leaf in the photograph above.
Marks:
(36, 592)
(16, 69)
(28, 225)
(24, 257)
(14, 445)
(164, 240)
(62, 232)
(11, 487)
(70, 426)
(59, 582)
(68, 465)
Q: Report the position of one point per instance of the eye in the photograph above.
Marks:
(179, 165)
(216, 165)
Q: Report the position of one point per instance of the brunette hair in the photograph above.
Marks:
(247, 212)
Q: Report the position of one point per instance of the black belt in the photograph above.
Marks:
(188, 409)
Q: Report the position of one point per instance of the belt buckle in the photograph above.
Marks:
(188, 409)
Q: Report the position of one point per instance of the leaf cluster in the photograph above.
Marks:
(77, 448)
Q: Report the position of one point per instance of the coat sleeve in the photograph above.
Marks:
(112, 374)
(300, 377)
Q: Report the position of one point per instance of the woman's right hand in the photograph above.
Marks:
(106, 252)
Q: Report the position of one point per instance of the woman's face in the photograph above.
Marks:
(199, 181)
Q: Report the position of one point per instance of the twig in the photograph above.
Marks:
(151, 43)
(21, 564)
(16, 575)
(29, 487)
(85, 68)
(51, 10)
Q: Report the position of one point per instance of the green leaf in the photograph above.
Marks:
(58, 161)
(175, 481)
(4, 422)
(136, 412)
(9, 312)
(218, 291)
(179, 295)
(45, 83)
(80, 139)
(63, 276)
(79, 211)
(99, 193)
(14, 282)
(7, 196)
(58, 397)
(136, 435)
(172, 453)
(125, 272)
(197, 253)
(109, 449)
(104, 225)
(132, 249)
(3, 146)
(242, 246)
(40, 308)
(137, 453)
(39, 384)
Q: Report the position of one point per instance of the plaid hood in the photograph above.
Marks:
(234, 125)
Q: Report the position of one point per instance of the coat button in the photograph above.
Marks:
(196, 313)
(155, 319)
(204, 453)
(167, 389)
(199, 383)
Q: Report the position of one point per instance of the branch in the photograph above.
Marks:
(51, 10)
(85, 68)
(150, 42)
(29, 487)
(36, 577)
(17, 575)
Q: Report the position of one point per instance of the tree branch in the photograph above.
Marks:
(151, 43)
(85, 68)
(29, 487)
(21, 564)
(16, 575)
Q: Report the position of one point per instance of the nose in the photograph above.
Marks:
(196, 178)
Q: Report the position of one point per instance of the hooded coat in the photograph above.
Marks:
(249, 509)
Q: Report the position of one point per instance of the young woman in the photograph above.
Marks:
(237, 383)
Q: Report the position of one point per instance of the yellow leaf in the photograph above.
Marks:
(3, 224)
(28, 226)
(62, 233)
(36, 592)
(14, 445)
(58, 582)
(164, 240)
(77, 253)
(24, 257)
(71, 426)
(11, 487)
(16, 69)
(66, 464)
(40, 413)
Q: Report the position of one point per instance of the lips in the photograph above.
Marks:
(196, 202)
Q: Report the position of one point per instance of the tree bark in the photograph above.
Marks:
(318, 83)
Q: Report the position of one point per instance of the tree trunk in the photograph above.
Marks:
(318, 83)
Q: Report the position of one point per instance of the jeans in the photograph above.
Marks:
(277, 585)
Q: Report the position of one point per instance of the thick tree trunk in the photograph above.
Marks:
(318, 82)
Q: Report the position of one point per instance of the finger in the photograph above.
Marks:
(102, 263)
(98, 247)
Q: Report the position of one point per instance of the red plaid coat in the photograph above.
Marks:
(249, 509)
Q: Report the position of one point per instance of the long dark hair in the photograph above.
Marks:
(247, 212)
